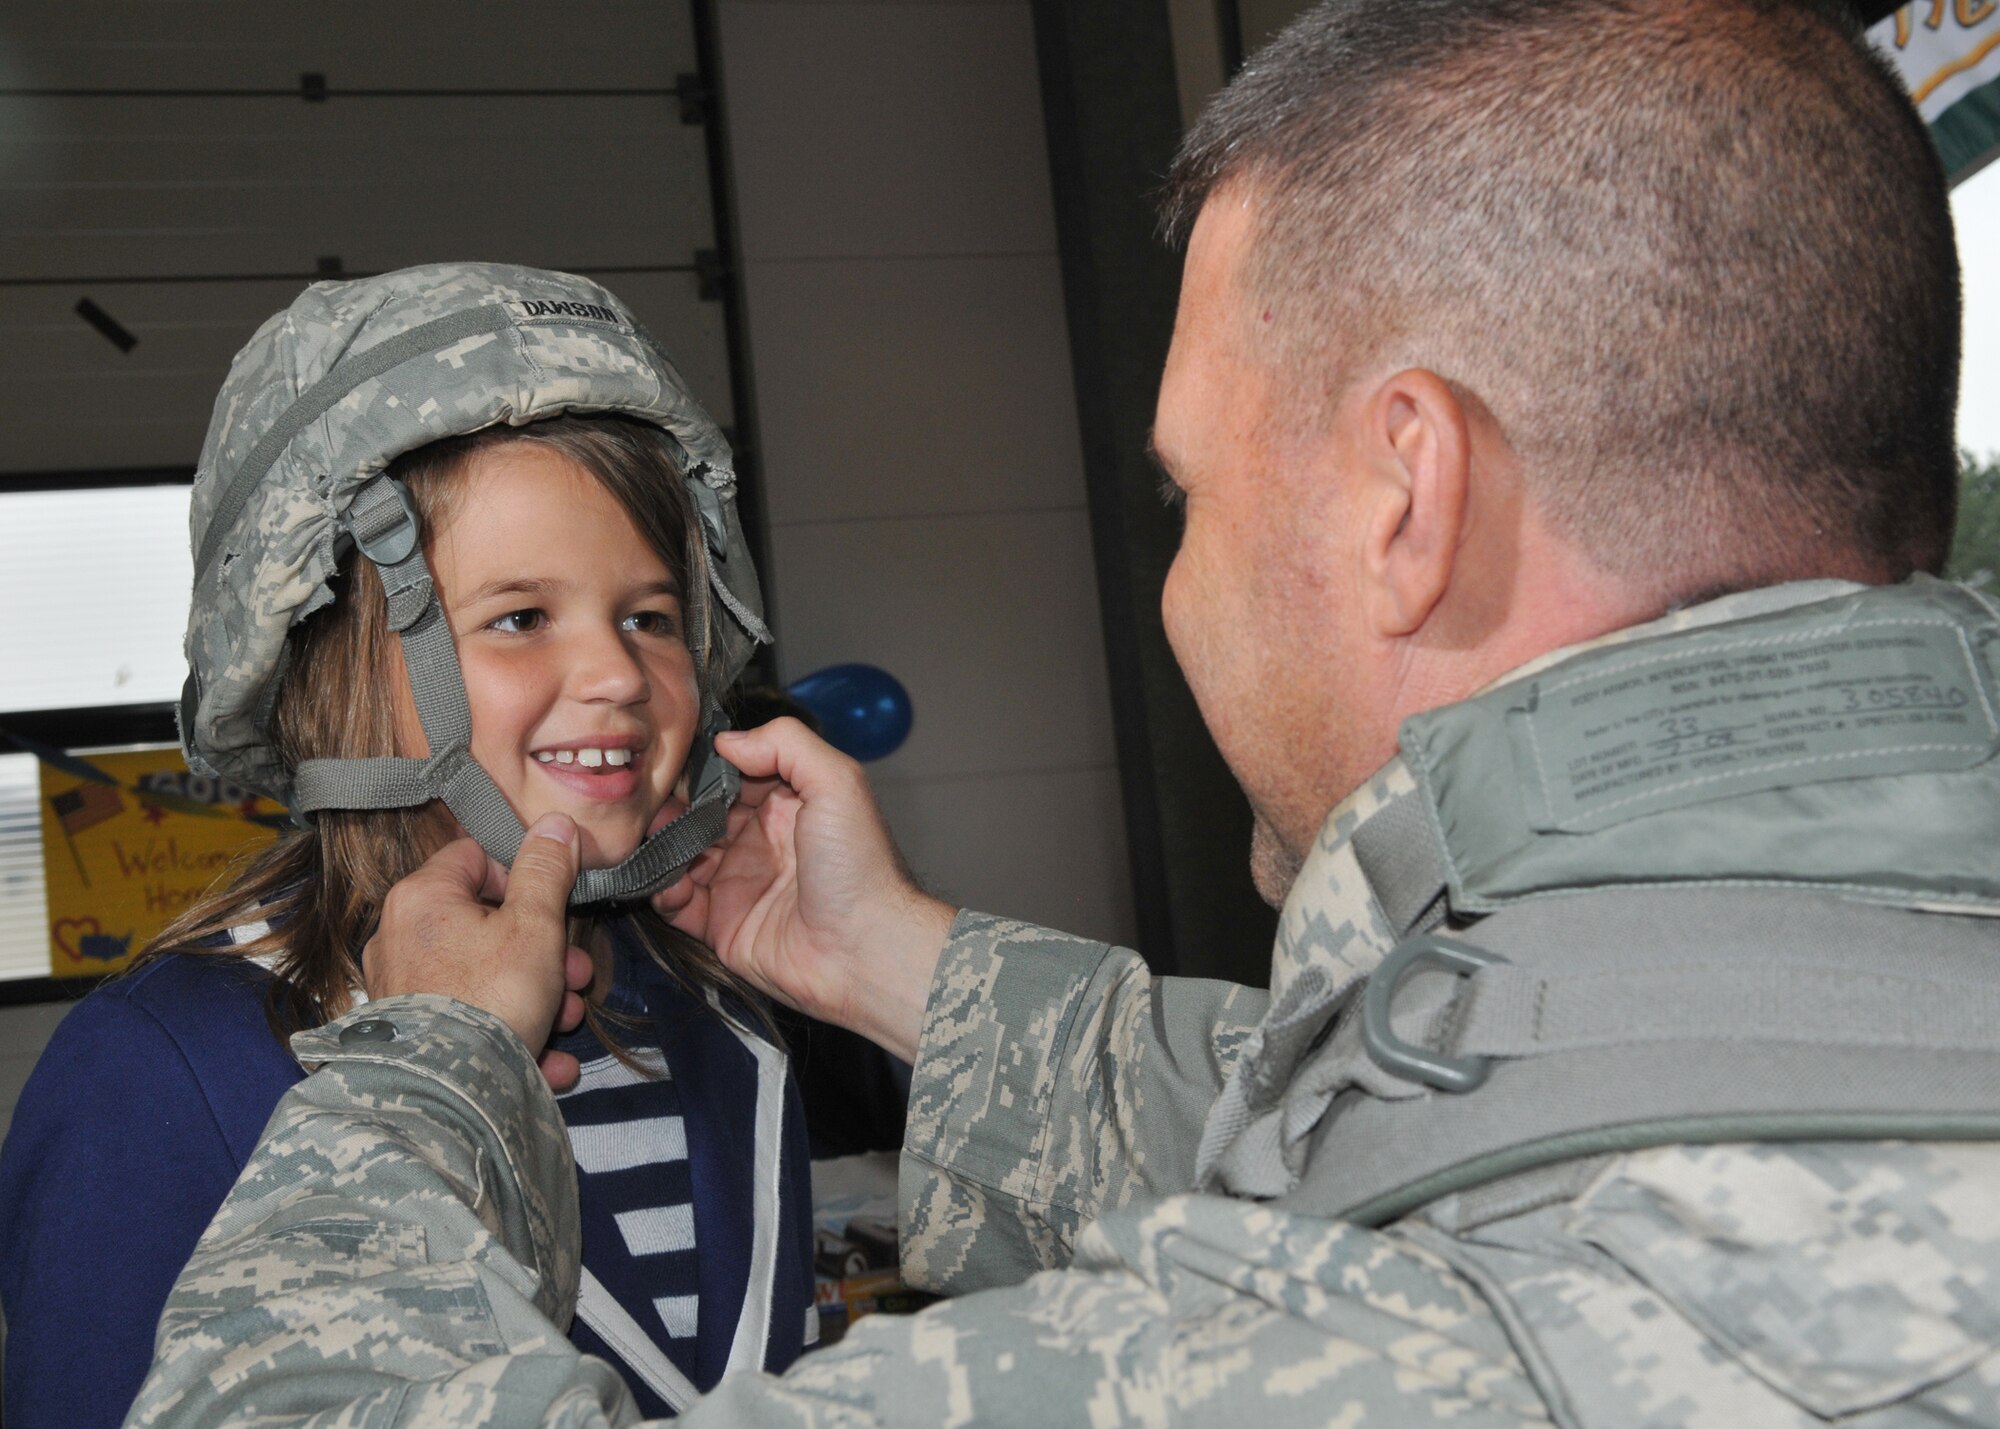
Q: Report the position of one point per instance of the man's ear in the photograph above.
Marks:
(1417, 449)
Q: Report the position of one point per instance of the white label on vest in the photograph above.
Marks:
(1739, 715)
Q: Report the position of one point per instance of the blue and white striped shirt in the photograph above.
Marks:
(669, 1159)
(630, 1142)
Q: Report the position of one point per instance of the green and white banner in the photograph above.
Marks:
(1949, 54)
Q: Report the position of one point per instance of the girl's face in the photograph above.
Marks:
(569, 634)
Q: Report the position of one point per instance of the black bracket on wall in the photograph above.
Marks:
(115, 332)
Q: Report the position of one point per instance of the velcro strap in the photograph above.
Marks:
(484, 813)
(661, 858)
(1509, 1011)
(386, 783)
(1400, 854)
(407, 588)
(1628, 1018)
(360, 784)
(432, 662)
(479, 806)
(713, 783)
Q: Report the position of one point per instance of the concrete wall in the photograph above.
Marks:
(923, 473)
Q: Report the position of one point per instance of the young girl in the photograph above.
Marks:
(465, 554)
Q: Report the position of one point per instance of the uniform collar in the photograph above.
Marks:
(1373, 876)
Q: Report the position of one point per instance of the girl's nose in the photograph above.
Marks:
(607, 668)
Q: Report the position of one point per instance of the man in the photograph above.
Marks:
(1558, 391)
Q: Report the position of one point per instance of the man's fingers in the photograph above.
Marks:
(570, 1016)
(545, 869)
(787, 750)
(461, 864)
(677, 897)
(494, 888)
(754, 792)
(560, 1070)
(754, 752)
(678, 894)
(763, 752)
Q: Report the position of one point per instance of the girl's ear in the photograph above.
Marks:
(1417, 451)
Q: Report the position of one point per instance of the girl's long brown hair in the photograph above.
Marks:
(321, 888)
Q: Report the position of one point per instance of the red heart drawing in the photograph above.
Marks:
(73, 925)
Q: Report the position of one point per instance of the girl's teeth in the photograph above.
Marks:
(588, 758)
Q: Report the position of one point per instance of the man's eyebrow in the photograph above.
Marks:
(1156, 456)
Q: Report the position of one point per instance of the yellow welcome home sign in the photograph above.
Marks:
(126, 852)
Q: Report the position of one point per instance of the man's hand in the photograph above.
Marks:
(805, 896)
(464, 927)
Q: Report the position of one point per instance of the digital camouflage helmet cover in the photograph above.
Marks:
(326, 395)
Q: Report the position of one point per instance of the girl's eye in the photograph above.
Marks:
(653, 622)
(519, 622)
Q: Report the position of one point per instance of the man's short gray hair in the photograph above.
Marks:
(1694, 255)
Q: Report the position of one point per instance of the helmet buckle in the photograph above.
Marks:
(383, 521)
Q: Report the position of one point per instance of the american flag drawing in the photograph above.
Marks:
(84, 807)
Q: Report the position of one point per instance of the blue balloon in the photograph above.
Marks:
(863, 710)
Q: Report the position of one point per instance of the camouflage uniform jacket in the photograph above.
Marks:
(402, 1247)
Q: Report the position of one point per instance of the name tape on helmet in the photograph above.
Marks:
(567, 310)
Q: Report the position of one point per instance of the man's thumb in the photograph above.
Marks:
(545, 869)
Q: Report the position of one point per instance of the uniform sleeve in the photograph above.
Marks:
(404, 1239)
(1195, 1311)
(113, 1165)
(400, 1249)
(395, 1253)
(1056, 1080)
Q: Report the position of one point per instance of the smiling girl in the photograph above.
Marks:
(465, 555)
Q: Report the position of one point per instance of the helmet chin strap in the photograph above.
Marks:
(384, 525)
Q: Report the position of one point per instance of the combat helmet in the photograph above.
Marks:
(323, 398)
